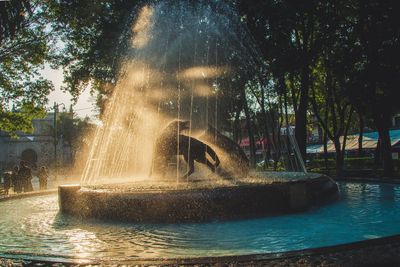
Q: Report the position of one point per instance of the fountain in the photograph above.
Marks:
(194, 62)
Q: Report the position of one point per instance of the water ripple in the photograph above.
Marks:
(34, 225)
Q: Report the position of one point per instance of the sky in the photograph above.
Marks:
(85, 105)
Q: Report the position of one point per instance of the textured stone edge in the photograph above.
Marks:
(199, 204)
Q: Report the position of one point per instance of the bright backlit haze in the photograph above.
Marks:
(85, 105)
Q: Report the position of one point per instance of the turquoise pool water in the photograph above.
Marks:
(34, 226)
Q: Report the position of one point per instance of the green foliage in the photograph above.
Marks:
(376, 73)
(357, 163)
(348, 47)
(13, 17)
(279, 166)
(23, 52)
(21, 120)
(93, 42)
(344, 52)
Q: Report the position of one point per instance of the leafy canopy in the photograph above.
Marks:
(24, 48)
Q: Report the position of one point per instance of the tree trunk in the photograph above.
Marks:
(289, 151)
(377, 154)
(250, 130)
(326, 137)
(266, 131)
(386, 152)
(326, 149)
(360, 135)
(343, 149)
(339, 158)
(301, 113)
(236, 126)
(382, 123)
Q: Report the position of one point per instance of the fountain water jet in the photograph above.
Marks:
(193, 61)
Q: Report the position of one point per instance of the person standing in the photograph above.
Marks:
(25, 174)
(43, 178)
(16, 180)
(7, 181)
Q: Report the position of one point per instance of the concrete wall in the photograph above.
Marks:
(41, 142)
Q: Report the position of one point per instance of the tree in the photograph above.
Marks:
(377, 74)
(333, 111)
(74, 131)
(332, 76)
(94, 39)
(13, 17)
(341, 49)
(287, 33)
(23, 51)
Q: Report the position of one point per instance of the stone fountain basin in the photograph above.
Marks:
(197, 201)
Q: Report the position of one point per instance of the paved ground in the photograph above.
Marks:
(378, 252)
(52, 184)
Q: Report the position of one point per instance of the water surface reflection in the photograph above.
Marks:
(34, 225)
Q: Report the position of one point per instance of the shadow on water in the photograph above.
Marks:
(387, 192)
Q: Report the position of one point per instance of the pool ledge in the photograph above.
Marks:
(374, 252)
(385, 180)
(28, 194)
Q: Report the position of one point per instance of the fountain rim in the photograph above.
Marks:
(254, 198)
(173, 190)
(243, 259)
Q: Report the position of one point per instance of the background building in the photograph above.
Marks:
(37, 148)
